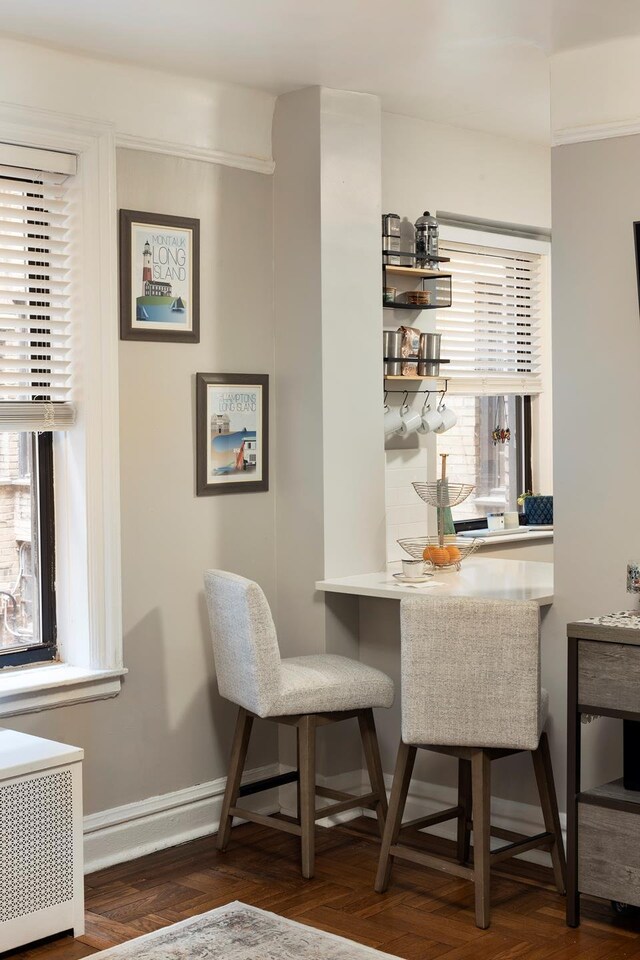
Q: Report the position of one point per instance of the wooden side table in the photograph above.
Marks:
(603, 826)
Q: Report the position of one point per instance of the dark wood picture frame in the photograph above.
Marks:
(204, 485)
(128, 329)
(636, 237)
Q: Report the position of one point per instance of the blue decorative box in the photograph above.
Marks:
(538, 511)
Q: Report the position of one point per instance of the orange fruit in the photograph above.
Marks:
(454, 553)
(439, 556)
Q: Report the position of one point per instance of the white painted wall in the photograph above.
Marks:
(330, 499)
(152, 110)
(594, 91)
(330, 461)
(439, 167)
(351, 341)
(298, 328)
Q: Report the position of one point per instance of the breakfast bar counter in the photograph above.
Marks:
(479, 577)
(362, 620)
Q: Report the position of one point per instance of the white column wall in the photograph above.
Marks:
(298, 328)
(354, 518)
(330, 503)
(330, 448)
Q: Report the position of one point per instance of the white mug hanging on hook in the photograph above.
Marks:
(392, 420)
(431, 418)
(449, 417)
(411, 420)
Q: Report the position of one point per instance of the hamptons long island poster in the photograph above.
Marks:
(234, 419)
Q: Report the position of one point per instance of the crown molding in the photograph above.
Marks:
(142, 106)
(192, 152)
(595, 131)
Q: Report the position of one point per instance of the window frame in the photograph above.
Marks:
(45, 557)
(523, 466)
(538, 474)
(86, 457)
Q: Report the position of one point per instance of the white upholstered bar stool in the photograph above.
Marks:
(304, 692)
(471, 689)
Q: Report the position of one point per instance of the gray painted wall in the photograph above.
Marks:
(168, 729)
(596, 358)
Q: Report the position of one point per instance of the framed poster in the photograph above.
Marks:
(636, 237)
(232, 433)
(159, 277)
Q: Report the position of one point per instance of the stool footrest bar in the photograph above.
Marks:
(266, 821)
(426, 860)
(330, 794)
(503, 834)
(279, 780)
(368, 800)
(443, 815)
(544, 840)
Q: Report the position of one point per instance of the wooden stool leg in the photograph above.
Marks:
(399, 791)
(236, 765)
(374, 764)
(307, 771)
(481, 789)
(549, 803)
(464, 818)
(298, 795)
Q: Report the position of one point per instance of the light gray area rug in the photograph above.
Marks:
(240, 932)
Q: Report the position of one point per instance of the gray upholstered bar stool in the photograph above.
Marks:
(304, 692)
(471, 689)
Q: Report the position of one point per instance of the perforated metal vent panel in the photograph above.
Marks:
(36, 844)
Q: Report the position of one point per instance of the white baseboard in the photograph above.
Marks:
(135, 829)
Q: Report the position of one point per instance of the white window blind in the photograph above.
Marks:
(492, 331)
(36, 362)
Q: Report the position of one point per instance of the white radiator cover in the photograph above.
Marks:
(41, 870)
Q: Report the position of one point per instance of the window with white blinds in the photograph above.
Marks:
(36, 222)
(492, 331)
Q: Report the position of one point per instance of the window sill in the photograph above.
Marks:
(530, 537)
(29, 689)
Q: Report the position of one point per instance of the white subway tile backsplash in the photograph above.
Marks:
(406, 513)
(406, 495)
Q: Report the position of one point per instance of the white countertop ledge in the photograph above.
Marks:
(532, 536)
(482, 577)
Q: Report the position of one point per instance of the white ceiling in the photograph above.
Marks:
(475, 63)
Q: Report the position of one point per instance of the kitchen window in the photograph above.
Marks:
(496, 336)
(500, 472)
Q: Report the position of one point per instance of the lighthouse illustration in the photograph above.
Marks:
(146, 267)
(156, 302)
(151, 287)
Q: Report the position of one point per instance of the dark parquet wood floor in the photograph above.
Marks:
(424, 915)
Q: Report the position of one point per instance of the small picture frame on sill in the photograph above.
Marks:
(232, 433)
(159, 277)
